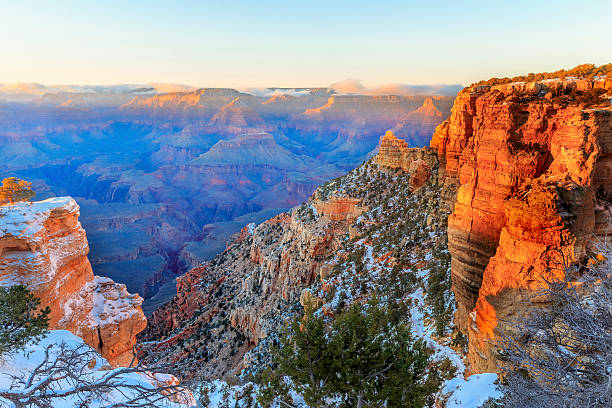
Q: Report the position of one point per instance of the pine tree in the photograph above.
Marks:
(377, 360)
(303, 355)
(21, 320)
(366, 357)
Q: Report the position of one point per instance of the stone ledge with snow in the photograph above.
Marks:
(43, 245)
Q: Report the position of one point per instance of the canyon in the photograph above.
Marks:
(515, 183)
(163, 179)
(340, 246)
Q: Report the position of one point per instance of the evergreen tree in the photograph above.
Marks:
(377, 361)
(21, 320)
(366, 357)
(303, 355)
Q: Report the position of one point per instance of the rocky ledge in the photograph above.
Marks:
(43, 246)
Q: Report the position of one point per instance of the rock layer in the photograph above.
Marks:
(533, 162)
(43, 246)
(396, 154)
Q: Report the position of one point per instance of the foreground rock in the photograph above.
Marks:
(43, 246)
(534, 166)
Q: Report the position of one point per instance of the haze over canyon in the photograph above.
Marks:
(163, 179)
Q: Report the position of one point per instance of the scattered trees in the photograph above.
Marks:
(366, 357)
(14, 190)
(581, 71)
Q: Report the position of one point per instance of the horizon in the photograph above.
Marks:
(279, 45)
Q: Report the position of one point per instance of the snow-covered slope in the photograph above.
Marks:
(22, 365)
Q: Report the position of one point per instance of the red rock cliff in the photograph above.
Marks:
(43, 246)
(534, 166)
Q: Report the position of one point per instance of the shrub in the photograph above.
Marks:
(21, 321)
(14, 190)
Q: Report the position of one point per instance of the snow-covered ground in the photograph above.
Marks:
(471, 392)
(23, 364)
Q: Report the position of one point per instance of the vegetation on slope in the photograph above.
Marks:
(588, 71)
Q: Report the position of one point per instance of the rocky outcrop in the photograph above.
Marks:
(533, 162)
(339, 208)
(396, 154)
(231, 303)
(43, 246)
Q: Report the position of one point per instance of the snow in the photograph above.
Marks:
(109, 302)
(24, 219)
(473, 392)
(23, 363)
(26, 223)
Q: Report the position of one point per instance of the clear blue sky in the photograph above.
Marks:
(296, 43)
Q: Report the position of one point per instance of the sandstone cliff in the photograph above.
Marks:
(43, 246)
(533, 162)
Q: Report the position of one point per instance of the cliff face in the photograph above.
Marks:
(43, 246)
(533, 162)
(223, 309)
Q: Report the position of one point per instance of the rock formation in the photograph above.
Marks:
(534, 164)
(339, 208)
(43, 246)
(396, 154)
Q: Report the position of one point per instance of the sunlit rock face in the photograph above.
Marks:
(533, 164)
(395, 153)
(43, 246)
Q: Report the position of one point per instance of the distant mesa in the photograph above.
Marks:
(236, 113)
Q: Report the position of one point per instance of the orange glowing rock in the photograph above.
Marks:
(43, 246)
(395, 153)
(527, 169)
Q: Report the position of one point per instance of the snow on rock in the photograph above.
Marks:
(471, 392)
(43, 246)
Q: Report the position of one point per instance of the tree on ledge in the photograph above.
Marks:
(14, 190)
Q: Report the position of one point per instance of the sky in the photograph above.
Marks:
(289, 43)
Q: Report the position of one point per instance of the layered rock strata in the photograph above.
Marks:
(534, 165)
(396, 154)
(43, 246)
